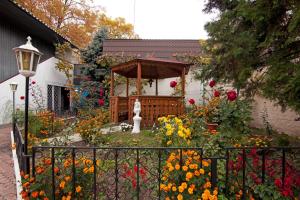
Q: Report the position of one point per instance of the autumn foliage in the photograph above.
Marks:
(77, 20)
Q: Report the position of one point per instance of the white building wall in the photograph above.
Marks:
(46, 75)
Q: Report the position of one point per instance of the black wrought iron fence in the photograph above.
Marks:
(157, 173)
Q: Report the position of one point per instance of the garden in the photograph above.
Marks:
(210, 152)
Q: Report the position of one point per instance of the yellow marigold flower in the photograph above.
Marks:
(180, 134)
(86, 170)
(215, 192)
(174, 189)
(91, 169)
(185, 168)
(180, 189)
(78, 189)
(201, 171)
(164, 178)
(184, 185)
(169, 142)
(179, 197)
(189, 175)
(190, 190)
(177, 167)
(62, 184)
(162, 186)
(171, 168)
(169, 132)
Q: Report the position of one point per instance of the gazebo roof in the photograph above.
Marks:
(151, 68)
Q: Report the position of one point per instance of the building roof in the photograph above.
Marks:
(151, 68)
(154, 48)
(25, 19)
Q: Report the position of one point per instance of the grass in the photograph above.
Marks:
(126, 139)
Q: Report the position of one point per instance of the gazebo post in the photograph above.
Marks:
(183, 82)
(112, 83)
(127, 87)
(156, 87)
(139, 77)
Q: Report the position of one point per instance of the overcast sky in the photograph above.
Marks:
(161, 19)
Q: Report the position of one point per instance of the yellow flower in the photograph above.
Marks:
(78, 189)
(169, 132)
(174, 189)
(179, 197)
(190, 190)
(180, 189)
(189, 175)
(184, 185)
(201, 171)
(169, 142)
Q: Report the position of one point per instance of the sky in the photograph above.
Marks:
(161, 19)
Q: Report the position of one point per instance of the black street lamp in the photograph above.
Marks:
(28, 58)
(13, 87)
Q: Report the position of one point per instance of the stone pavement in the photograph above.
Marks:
(7, 175)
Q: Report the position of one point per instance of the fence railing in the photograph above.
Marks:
(144, 173)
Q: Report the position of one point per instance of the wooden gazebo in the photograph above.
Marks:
(152, 107)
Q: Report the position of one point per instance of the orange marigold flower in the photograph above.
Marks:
(185, 168)
(56, 170)
(179, 197)
(26, 176)
(35, 194)
(47, 161)
(42, 193)
(45, 198)
(24, 194)
(62, 184)
(177, 167)
(67, 178)
(26, 184)
(78, 189)
(190, 190)
(189, 175)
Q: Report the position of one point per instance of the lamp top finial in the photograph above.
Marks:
(28, 40)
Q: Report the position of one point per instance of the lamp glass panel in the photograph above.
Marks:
(26, 57)
(18, 59)
(36, 59)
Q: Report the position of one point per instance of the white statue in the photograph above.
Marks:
(137, 119)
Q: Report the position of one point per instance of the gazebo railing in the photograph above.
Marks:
(118, 108)
(153, 107)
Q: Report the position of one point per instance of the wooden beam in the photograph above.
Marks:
(183, 82)
(127, 87)
(139, 77)
(112, 83)
(156, 87)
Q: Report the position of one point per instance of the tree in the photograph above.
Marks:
(255, 44)
(77, 20)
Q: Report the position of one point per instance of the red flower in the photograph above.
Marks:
(212, 83)
(277, 182)
(33, 82)
(231, 95)
(101, 102)
(216, 93)
(173, 84)
(192, 101)
(22, 97)
(101, 92)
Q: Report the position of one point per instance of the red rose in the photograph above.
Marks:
(192, 101)
(101, 102)
(231, 95)
(212, 83)
(173, 84)
(33, 82)
(22, 97)
(216, 93)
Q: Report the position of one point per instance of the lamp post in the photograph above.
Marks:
(13, 87)
(28, 58)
